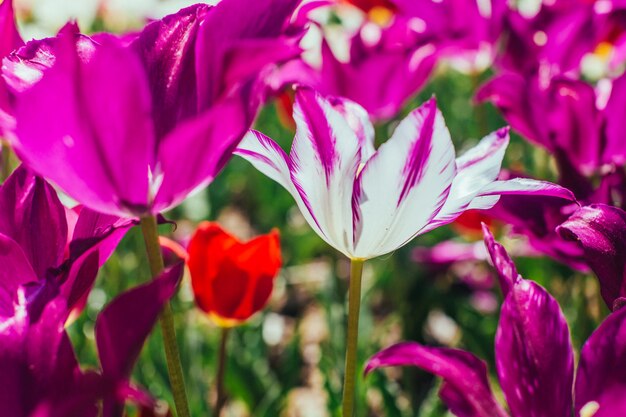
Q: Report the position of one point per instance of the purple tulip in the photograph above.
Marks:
(366, 202)
(534, 358)
(559, 115)
(10, 40)
(38, 367)
(39, 250)
(601, 232)
(174, 101)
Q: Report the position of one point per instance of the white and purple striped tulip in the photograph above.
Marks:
(367, 202)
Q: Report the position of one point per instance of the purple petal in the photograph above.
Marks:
(601, 374)
(601, 232)
(615, 150)
(534, 355)
(466, 389)
(91, 106)
(404, 184)
(167, 48)
(507, 272)
(15, 272)
(32, 215)
(237, 41)
(119, 339)
(559, 114)
(205, 144)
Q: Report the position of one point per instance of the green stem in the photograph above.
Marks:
(354, 306)
(6, 161)
(174, 367)
(221, 371)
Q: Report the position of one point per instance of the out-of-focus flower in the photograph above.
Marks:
(38, 367)
(601, 232)
(534, 358)
(45, 250)
(558, 114)
(366, 202)
(561, 35)
(463, 31)
(394, 48)
(174, 99)
(10, 40)
(232, 280)
(371, 74)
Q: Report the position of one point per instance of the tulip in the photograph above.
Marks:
(366, 202)
(534, 358)
(600, 230)
(231, 281)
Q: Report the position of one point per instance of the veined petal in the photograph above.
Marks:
(490, 194)
(325, 157)
(534, 355)
(404, 184)
(601, 374)
(465, 390)
(476, 168)
(359, 121)
(269, 158)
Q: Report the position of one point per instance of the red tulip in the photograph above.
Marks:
(232, 280)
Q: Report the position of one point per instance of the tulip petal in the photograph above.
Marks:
(213, 136)
(166, 47)
(325, 157)
(32, 215)
(15, 272)
(359, 121)
(534, 355)
(119, 340)
(405, 184)
(223, 47)
(466, 389)
(601, 374)
(58, 123)
(476, 168)
(601, 231)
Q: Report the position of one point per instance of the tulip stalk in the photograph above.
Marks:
(221, 372)
(354, 307)
(174, 367)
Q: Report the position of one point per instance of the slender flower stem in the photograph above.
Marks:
(354, 306)
(6, 161)
(221, 371)
(174, 367)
